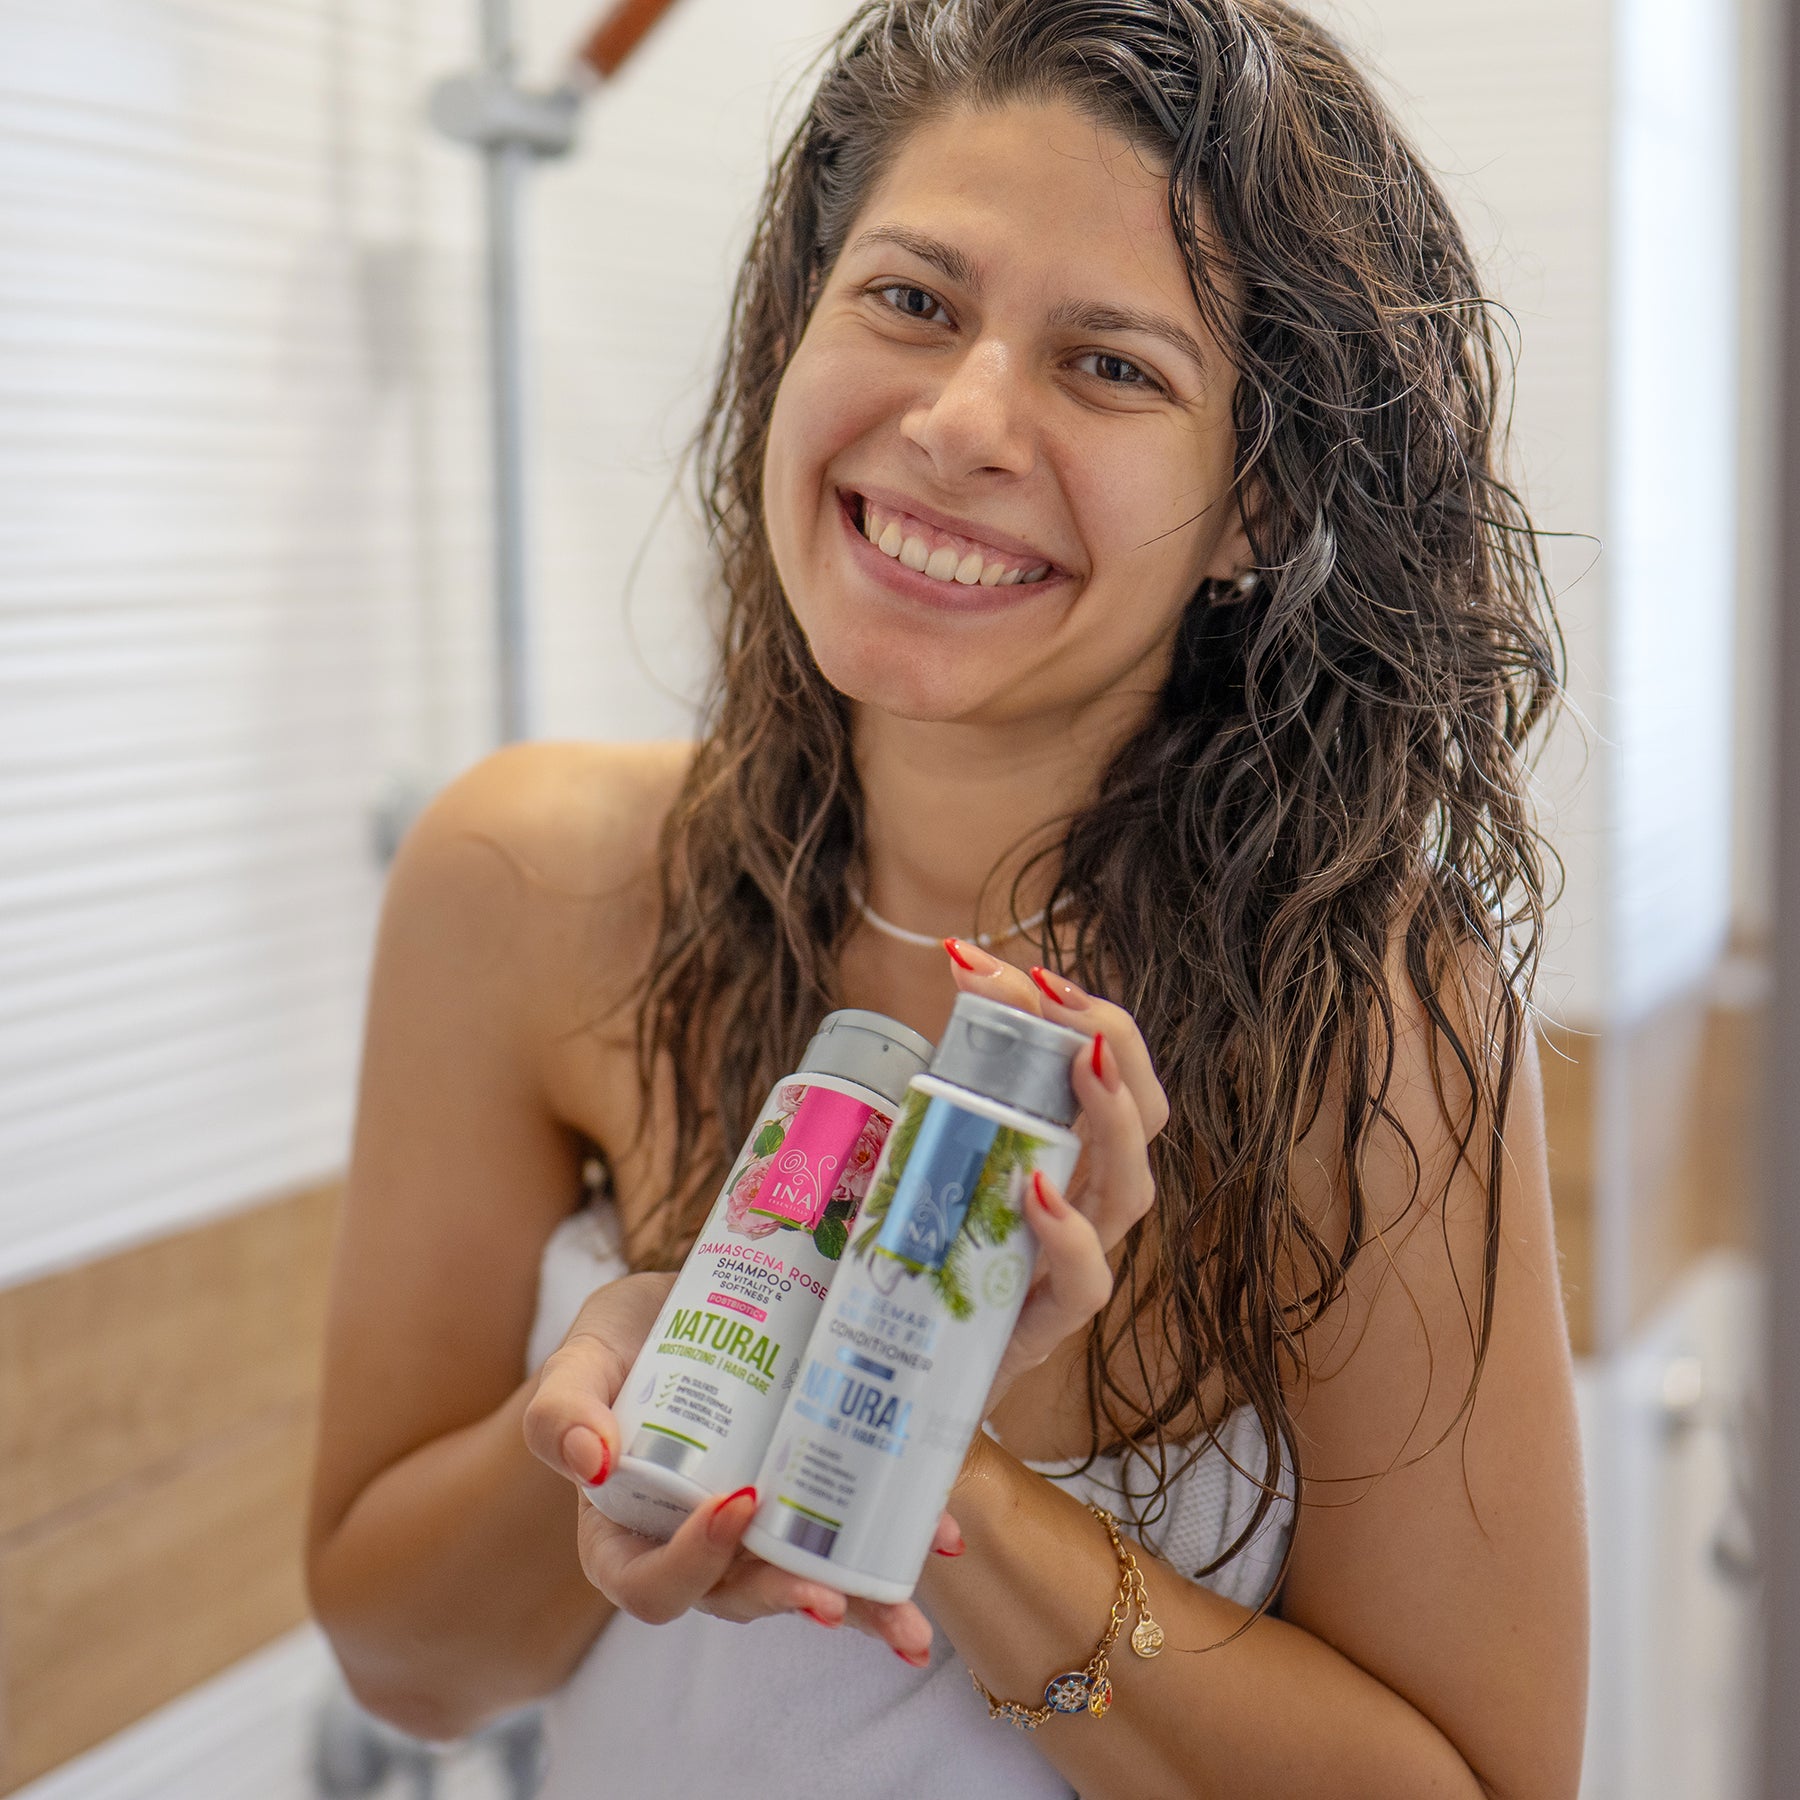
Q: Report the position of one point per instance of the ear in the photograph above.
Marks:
(1235, 555)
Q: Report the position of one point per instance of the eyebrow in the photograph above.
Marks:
(1082, 315)
(1087, 315)
(935, 251)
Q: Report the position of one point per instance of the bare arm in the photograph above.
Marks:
(1433, 1630)
(441, 1554)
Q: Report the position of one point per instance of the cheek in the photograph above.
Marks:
(1151, 516)
(819, 411)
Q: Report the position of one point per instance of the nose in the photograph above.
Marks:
(977, 420)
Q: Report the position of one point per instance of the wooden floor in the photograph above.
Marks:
(156, 1428)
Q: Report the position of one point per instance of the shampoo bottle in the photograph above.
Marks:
(699, 1406)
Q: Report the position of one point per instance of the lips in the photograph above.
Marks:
(941, 555)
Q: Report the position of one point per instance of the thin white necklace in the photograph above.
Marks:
(982, 940)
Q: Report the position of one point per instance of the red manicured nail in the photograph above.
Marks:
(1041, 1192)
(1060, 989)
(576, 1456)
(1100, 1054)
(941, 1551)
(917, 1659)
(829, 1624)
(957, 957)
(725, 1506)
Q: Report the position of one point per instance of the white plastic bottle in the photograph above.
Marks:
(907, 1345)
(697, 1410)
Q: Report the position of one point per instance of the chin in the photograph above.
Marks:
(930, 684)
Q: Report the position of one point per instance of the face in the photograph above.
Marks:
(1007, 385)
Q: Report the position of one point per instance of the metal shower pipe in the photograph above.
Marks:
(513, 127)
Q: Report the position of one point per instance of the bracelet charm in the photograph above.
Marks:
(1088, 1689)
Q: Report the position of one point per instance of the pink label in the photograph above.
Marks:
(798, 1182)
(736, 1305)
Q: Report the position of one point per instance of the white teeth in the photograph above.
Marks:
(942, 564)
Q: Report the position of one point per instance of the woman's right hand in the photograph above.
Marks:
(570, 1425)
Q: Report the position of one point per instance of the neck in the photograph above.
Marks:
(953, 813)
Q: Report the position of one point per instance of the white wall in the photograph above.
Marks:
(1673, 496)
(243, 539)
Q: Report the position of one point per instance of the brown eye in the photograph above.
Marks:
(911, 302)
(1117, 371)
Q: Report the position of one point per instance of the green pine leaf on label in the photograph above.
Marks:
(899, 1148)
(950, 1280)
(994, 1208)
(831, 1236)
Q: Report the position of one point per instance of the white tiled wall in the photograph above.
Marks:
(243, 537)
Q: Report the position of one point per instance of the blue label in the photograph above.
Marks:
(936, 1186)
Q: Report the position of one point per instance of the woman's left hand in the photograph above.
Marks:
(1123, 1107)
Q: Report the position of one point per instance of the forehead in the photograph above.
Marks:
(1040, 193)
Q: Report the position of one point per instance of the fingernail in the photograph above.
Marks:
(918, 1659)
(1046, 1196)
(1060, 989)
(584, 1449)
(724, 1506)
(969, 956)
(829, 1624)
(942, 1551)
(1104, 1066)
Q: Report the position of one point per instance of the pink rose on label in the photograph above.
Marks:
(859, 1165)
(738, 1216)
(789, 1095)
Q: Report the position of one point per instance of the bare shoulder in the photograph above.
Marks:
(553, 847)
(577, 815)
(1442, 1060)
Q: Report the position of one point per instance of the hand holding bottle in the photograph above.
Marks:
(1122, 1108)
(570, 1425)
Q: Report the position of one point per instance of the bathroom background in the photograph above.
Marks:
(247, 624)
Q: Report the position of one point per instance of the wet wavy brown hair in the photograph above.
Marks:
(1339, 758)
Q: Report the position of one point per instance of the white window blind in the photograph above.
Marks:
(243, 534)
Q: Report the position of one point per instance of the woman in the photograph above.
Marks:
(1115, 569)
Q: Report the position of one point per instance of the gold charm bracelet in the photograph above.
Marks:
(1088, 1689)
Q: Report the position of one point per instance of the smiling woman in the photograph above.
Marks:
(1102, 471)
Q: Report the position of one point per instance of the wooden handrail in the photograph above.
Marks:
(619, 33)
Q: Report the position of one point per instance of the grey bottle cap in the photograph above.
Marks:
(867, 1047)
(1009, 1055)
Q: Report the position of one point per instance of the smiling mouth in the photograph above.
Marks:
(939, 555)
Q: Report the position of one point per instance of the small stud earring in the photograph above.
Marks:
(1245, 585)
